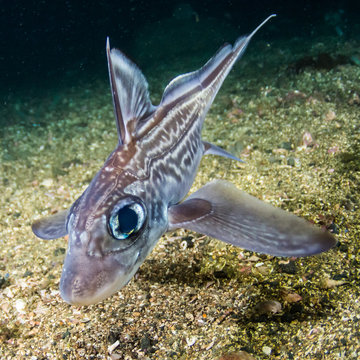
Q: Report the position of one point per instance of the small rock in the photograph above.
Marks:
(267, 350)
(241, 355)
(330, 115)
(253, 258)
(191, 341)
(307, 140)
(113, 346)
(20, 306)
(268, 307)
(280, 151)
(330, 283)
(47, 182)
(116, 356)
(291, 297)
(261, 269)
(145, 342)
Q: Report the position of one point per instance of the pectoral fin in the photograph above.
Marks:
(222, 211)
(51, 227)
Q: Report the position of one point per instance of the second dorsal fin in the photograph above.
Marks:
(215, 150)
(130, 94)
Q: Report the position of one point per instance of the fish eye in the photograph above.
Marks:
(126, 219)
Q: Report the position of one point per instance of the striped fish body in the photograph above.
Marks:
(138, 194)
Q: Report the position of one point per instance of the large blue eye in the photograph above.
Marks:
(127, 219)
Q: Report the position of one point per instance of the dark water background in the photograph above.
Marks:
(50, 44)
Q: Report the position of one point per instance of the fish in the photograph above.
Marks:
(141, 191)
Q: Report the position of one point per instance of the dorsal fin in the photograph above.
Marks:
(202, 84)
(130, 93)
(217, 67)
(212, 149)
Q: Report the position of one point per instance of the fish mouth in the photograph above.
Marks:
(74, 292)
(92, 280)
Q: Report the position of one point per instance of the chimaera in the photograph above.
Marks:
(138, 194)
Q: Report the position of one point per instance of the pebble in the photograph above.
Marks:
(307, 139)
(113, 346)
(330, 115)
(291, 297)
(20, 306)
(267, 350)
(241, 355)
(116, 357)
(330, 283)
(47, 182)
(268, 307)
(191, 341)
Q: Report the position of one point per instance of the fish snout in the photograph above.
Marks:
(90, 275)
(87, 280)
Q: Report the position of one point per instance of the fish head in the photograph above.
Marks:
(110, 234)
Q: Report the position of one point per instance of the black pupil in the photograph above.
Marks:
(128, 220)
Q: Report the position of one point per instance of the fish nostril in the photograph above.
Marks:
(76, 285)
(72, 291)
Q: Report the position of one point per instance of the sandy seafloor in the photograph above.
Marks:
(194, 297)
